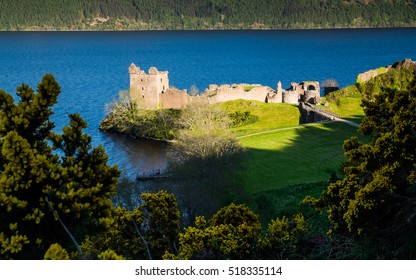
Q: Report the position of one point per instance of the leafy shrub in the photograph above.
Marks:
(241, 118)
(124, 117)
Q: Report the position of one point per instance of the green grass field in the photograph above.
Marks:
(348, 108)
(305, 154)
(346, 103)
(280, 168)
(284, 162)
(270, 116)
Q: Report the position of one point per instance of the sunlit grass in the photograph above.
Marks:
(287, 162)
(269, 116)
(306, 154)
(348, 108)
(346, 103)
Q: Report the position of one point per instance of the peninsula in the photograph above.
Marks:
(137, 114)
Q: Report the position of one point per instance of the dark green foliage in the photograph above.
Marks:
(398, 79)
(161, 222)
(234, 232)
(231, 234)
(282, 238)
(375, 201)
(46, 177)
(201, 14)
(121, 236)
(241, 118)
(146, 232)
(125, 118)
(235, 215)
(159, 124)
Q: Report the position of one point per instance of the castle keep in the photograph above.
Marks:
(151, 91)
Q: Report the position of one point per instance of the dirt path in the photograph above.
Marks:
(347, 122)
(300, 126)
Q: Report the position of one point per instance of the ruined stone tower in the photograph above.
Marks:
(311, 92)
(151, 91)
(306, 91)
(146, 89)
(279, 93)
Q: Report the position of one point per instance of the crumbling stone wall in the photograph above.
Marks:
(290, 97)
(151, 91)
(174, 99)
(306, 92)
(275, 96)
(226, 92)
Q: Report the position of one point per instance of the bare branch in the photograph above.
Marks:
(56, 215)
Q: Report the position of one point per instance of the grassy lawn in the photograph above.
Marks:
(348, 108)
(286, 161)
(270, 116)
(285, 201)
(281, 168)
(305, 154)
(346, 103)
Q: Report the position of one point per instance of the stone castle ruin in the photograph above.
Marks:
(151, 91)
(306, 92)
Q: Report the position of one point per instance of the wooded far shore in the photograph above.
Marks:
(203, 14)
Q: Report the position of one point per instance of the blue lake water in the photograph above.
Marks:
(91, 67)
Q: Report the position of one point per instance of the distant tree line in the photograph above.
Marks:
(204, 14)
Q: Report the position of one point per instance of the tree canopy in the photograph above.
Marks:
(53, 187)
(376, 198)
(203, 14)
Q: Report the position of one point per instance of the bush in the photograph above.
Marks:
(204, 133)
(241, 118)
(124, 117)
(349, 91)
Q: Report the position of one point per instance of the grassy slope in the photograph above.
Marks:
(289, 157)
(346, 103)
(270, 116)
(282, 167)
(347, 107)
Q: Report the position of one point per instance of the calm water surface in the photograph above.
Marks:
(91, 67)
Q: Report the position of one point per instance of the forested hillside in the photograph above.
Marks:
(203, 14)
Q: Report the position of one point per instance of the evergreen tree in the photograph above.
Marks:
(231, 233)
(146, 232)
(54, 188)
(161, 222)
(203, 14)
(376, 199)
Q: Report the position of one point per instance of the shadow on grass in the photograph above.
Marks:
(201, 187)
(355, 118)
(281, 168)
(274, 174)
